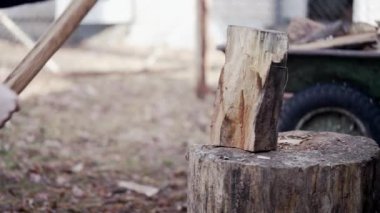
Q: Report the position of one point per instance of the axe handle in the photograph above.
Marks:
(48, 44)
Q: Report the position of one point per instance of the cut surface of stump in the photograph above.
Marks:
(309, 172)
(250, 90)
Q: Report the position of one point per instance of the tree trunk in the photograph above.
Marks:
(310, 172)
(250, 90)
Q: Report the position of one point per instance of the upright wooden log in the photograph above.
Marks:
(250, 90)
(309, 172)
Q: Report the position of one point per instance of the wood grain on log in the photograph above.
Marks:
(250, 90)
(310, 172)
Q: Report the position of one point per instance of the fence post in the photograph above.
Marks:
(202, 46)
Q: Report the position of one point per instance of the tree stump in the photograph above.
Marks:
(309, 172)
(251, 85)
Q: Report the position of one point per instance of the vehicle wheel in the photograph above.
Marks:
(332, 107)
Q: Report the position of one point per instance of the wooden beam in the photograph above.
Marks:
(48, 45)
(28, 42)
(250, 91)
(349, 40)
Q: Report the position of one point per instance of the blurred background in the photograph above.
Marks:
(132, 88)
(169, 24)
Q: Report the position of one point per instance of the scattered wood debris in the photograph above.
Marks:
(355, 41)
(290, 141)
(149, 191)
(77, 168)
(361, 27)
(293, 140)
(300, 28)
(306, 34)
(77, 192)
(263, 157)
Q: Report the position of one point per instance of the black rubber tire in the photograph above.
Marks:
(331, 95)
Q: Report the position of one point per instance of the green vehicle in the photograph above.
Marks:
(334, 90)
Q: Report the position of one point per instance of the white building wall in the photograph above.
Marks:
(251, 13)
(164, 22)
(293, 9)
(104, 12)
(367, 11)
(173, 22)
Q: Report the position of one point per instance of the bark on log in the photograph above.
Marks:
(250, 90)
(310, 172)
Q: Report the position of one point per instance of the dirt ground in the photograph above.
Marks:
(78, 135)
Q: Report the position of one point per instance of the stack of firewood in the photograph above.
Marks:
(306, 34)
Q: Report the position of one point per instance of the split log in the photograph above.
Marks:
(251, 85)
(310, 172)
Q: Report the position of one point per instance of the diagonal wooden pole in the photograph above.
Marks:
(28, 42)
(48, 44)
